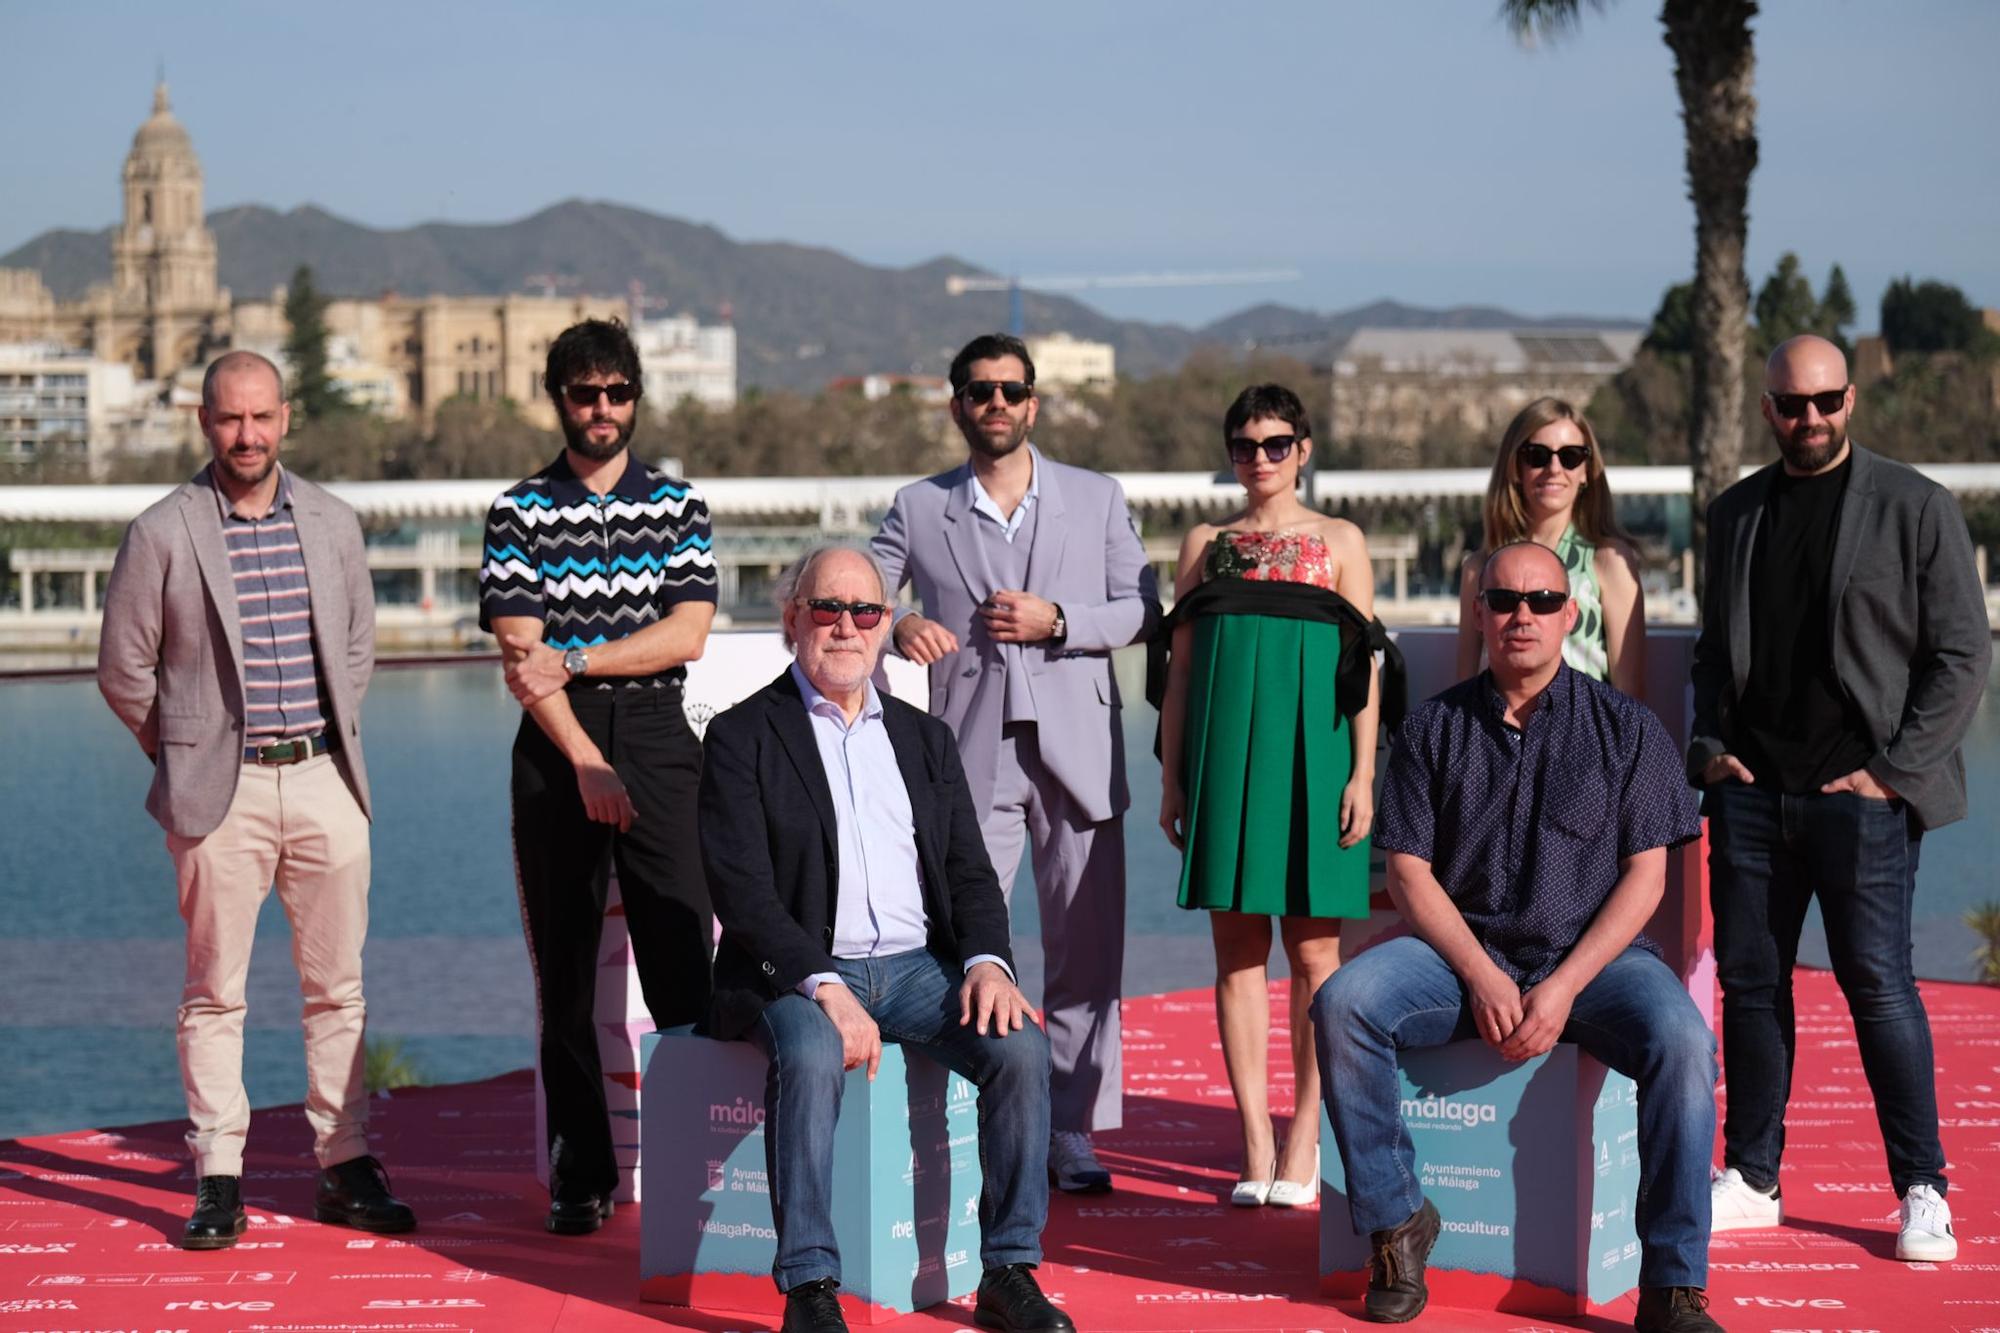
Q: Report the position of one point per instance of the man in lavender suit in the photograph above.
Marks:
(1029, 573)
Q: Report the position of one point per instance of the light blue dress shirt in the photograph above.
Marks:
(1010, 524)
(879, 900)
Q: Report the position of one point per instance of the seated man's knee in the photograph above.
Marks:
(1019, 1057)
(1682, 1044)
(806, 1054)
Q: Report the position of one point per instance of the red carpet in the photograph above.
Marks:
(88, 1220)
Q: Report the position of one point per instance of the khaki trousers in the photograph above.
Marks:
(296, 825)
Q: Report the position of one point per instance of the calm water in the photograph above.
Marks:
(90, 942)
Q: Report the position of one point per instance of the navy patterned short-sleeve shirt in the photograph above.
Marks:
(1525, 827)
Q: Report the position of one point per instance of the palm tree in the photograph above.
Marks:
(1714, 61)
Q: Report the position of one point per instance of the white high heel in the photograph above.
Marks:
(1253, 1193)
(1294, 1193)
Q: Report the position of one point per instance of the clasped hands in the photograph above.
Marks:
(988, 999)
(1520, 1026)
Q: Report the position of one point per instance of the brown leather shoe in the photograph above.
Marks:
(1674, 1310)
(1396, 1290)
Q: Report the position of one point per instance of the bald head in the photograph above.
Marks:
(239, 362)
(1807, 360)
(1506, 566)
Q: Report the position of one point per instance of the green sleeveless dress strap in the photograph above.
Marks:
(1587, 647)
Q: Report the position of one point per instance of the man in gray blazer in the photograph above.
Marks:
(1843, 649)
(1029, 573)
(239, 635)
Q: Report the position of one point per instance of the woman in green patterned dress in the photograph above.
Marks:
(1268, 784)
(1548, 486)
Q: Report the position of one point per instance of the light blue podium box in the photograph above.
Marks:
(1534, 1168)
(906, 1182)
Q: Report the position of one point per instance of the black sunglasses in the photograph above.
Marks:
(1277, 448)
(1573, 456)
(1792, 406)
(1542, 601)
(826, 611)
(585, 395)
(979, 392)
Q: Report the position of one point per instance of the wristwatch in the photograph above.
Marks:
(1060, 630)
(576, 662)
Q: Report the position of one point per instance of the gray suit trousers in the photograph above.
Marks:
(1080, 886)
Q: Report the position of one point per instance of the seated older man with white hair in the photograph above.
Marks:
(858, 904)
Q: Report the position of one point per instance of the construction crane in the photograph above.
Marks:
(958, 284)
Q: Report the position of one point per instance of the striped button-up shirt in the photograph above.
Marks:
(283, 694)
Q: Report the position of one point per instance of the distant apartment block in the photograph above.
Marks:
(1399, 386)
(681, 358)
(1066, 362)
(60, 403)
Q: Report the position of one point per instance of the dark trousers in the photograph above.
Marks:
(561, 858)
(1769, 854)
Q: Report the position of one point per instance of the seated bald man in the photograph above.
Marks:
(858, 904)
(1526, 814)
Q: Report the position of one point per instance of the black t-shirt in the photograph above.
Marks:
(1799, 731)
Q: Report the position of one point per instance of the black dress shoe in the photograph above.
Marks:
(217, 1219)
(574, 1212)
(1674, 1310)
(1010, 1300)
(811, 1307)
(1396, 1290)
(355, 1193)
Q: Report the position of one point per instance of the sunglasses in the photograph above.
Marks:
(979, 392)
(826, 611)
(585, 395)
(1542, 601)
(1792, 406)
(1573, 456)
(1277, 448)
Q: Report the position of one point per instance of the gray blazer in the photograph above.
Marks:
(1911, 646)
(170, 656)
(1087, 558)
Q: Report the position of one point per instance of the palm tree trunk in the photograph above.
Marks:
(1714, 63)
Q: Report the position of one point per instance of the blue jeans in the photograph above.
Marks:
(1768, 856)
(1635, 1016)
(915, 1002)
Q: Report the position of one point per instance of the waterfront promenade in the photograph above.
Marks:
(89, 1216)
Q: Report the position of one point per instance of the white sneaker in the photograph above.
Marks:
(1734, 1204)
(1926, 1233)
(1073, 1167)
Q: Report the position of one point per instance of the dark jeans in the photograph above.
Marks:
(1634, 1016)
(913, 1001)
(561, 859)
(1769, 855)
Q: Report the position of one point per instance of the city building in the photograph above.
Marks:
(1066, 362)
(60, 403)
(681, 358)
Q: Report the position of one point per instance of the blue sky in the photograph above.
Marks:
(1409, 150)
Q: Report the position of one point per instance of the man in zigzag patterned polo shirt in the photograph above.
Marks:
(599, 583)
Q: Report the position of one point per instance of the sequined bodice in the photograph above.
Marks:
(1271, 557)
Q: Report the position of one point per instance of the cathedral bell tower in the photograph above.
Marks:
(163, 256)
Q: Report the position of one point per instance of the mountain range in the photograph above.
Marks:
(803, 314)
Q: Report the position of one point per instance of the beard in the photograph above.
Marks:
(247, 472)
(577, 435)
(992, 446)
(1804, 453)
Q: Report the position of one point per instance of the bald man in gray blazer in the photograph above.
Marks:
(1030, 573)
(238, 639)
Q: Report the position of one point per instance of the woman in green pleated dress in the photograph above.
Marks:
(1268, 785)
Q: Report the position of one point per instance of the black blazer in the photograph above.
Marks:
(768, 843)
(1907, 616)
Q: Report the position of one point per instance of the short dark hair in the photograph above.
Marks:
(1266, 400)
(988, 347)
(594, 347)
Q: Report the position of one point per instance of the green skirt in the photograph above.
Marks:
(1266, 756)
